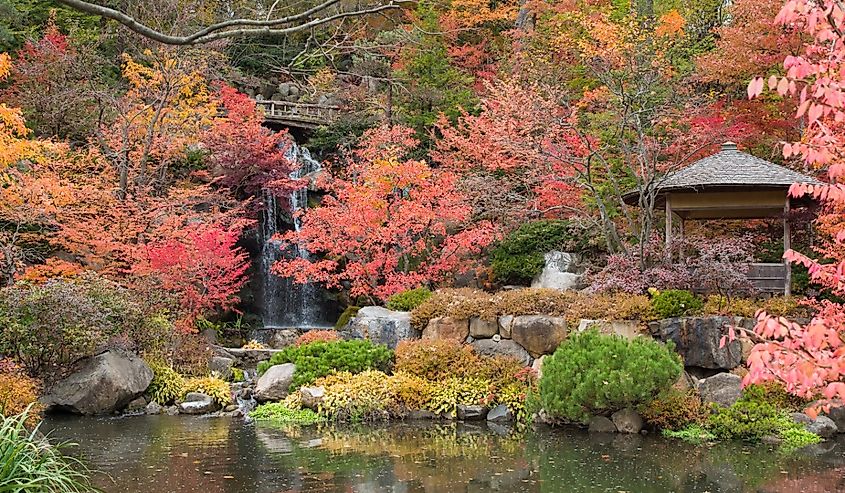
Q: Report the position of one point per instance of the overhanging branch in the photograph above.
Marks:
(302, 21)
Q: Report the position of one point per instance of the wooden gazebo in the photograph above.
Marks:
(732, 185)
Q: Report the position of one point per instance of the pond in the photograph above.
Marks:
(219, 455)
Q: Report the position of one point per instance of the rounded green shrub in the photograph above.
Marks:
(676, 303)
(319, 359)
(519, 257)
(408, 300)
(594, 374)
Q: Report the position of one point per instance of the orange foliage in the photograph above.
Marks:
(17, 390)
(317, 335)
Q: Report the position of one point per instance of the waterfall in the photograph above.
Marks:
(287, 304)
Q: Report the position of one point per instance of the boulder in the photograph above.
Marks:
(723, 389)
(802, 419)
(153, 408)
(103, 384)
(823, 427)
(503, 347)
(381, 326)
(282, 338)
(198, 403)
(471, 413)
(697, 339)
(312, 397)
(627, 421)
(561, 271)
(837, 414)
(136, 405)
(628, 329)
(601, 424)
(421, 414)
(274, 384)
(483, 329)
(505, 326)
(222, 366)
(539, 334)
(446, 328)
(537, 366)
(500, 414)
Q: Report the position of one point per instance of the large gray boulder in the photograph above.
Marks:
(274, 384)
(538, 334)
(601, 424)
(381, 326)
(837, 414)
(483, 329)
(104, 383)
(697, 339)
(500, 414)
(823, 427)
(723, 389)
(504, 347)
(222, 366)
(561, 271)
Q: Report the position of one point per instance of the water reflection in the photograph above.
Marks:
(215, 455)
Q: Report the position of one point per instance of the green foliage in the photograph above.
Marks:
(238, 375)
(674, 410)
(592, 374)
(213, 387)
(694, 433)
(319, 359)
(347, 315)
(30, 464)
(279, 413)
(676, 303)
(49, 326)
(408, 300)
(167, 384)
(753, 417)
(519, 257)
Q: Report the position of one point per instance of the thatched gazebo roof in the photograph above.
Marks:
(731, 184)
(729, 170)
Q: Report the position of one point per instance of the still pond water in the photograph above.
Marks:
(219, 455)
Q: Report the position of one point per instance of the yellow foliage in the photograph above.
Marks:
(670, 24)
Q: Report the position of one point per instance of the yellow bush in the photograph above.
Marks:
(167, 384)
(213, 387)
(445, 396)
(370, 395)
(17, 390)
(434, 359)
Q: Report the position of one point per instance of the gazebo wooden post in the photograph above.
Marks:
(669, 227)
(681, 236)
(787, 244)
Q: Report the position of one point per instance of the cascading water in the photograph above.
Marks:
(288, 304)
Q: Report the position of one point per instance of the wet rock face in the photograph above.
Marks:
(601, 424)
(104, 383)
(627, 421)
(697, 339)
(198, 403)
(274, 384)
(562, 271)
(538, 334)
(381, 326)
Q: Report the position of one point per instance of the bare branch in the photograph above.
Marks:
(302, 21)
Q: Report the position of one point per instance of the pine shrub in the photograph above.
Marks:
(521, 255)
(676, 303)
(408, 300)
(594, 374)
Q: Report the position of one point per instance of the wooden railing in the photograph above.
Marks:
(298, 114)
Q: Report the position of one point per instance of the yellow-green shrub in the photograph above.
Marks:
(781, 306)
(213, 387)
(446, 395)
(370, 395)
(434, 359)
(167, 384)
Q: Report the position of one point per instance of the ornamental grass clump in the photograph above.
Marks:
(594, 374)
(29, 464)
(319, 359)
(167, 384)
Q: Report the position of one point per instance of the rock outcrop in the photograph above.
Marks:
(381, 326)
(198, 403)
(504, 347)
(446, 328)
(538, 334)
(698, 339)
(561, 271)
(723, 389)
(274, 384)
(103, 384)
